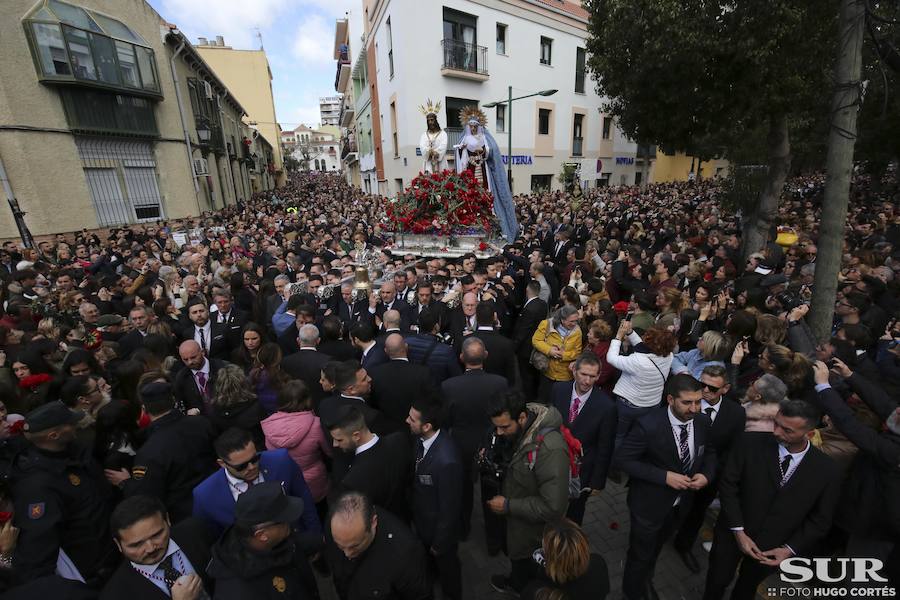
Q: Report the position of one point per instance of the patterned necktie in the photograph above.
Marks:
(710, 412)
(573, 408)
(203, 341)
(785, 465)
(420, 452)
(170, 573)
(201, 383)
(683, 450)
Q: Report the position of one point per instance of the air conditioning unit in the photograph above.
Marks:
(201, 167)
(208, 90)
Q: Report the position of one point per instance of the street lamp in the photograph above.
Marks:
(203, 134)
(508, 102)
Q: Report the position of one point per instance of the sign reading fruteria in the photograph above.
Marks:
(519, 159)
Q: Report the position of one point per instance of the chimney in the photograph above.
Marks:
(201, 41)
(220, 41)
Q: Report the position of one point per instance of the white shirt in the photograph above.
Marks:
(239, 486)
(205, 370)
(367, 445)
(179, 561)
(582, 400)
(205, 332)
(676, 431)
(223, 318)
(426, 444)
(795, 459)
(642, 381)
(715, 409)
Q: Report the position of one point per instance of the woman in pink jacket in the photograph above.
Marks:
(296, 428)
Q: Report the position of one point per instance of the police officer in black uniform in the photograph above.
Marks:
(62, 502)
(177, 455)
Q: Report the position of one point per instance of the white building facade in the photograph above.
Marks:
(464, 52)
(330, 110)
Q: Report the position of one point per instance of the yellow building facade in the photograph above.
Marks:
(678, 167)
(248, 76)
(97, 128)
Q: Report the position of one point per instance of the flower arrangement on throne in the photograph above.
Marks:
(443, 203)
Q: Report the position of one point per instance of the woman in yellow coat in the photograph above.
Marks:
(559, 337)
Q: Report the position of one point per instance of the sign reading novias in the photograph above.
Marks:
(624, 160)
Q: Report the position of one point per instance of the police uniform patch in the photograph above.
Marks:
(36, 511)
(74, 479)
(279, 584)
(139, 472)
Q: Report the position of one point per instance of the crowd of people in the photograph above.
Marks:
(208, 409)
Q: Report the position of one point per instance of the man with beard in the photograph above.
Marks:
(61, 502)
(161, 561)
(433, 142)
(257, 554)
(379, 467)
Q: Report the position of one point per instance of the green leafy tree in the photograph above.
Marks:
(702, 77)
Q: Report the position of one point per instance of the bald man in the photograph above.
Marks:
(463, 322)
(194, 384)
(386, 300)
(397, 382)
(392, 324)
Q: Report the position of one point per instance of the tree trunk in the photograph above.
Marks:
(839, 164)
(758, 223)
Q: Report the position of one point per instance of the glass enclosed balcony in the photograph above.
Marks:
(74, 45)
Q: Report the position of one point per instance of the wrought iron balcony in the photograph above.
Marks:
(342, 76)
(467, 61)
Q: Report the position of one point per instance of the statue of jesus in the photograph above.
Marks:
(433, 142)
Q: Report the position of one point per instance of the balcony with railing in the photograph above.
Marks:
(348, 146)
(466, 61)
(577, 146)
(342, 76)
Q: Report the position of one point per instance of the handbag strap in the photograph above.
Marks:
(658, 369)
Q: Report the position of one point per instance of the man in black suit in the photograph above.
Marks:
(467, 398)
(161, 561)
(384, 300)
(462, 320)
(501, 352)
(362, 336)
(533, 312)
(209, 335)
(591, 416)
(194, 384)
(306, 365)
(392, 323)
(140, 318)
(424, 299)
(561, 248)
(176, 455)
(346, 309)
(437, 491)
(379, 467)
(666, 457)
(728, 420)
(305, 315)
(428, 348)
(232, 318)
(396, 382)
(778, 495)
(332, 340)
(351, 388)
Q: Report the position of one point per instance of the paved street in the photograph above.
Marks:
(606, 524)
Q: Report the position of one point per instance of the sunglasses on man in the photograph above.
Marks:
(243, 466)
(712, 388)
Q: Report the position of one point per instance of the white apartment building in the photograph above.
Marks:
(330, 110)
(315, 149)
(464, 52)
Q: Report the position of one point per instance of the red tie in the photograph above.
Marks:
(573, 408)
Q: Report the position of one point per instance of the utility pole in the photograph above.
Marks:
(18, 213)
(839, 165)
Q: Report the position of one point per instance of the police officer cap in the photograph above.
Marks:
(266, 503)
(50, 415)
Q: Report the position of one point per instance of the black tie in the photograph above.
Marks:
(683, 450)
(420, 452)
(170, 573)
(784, 466)
(203, 342)
(710, 411)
